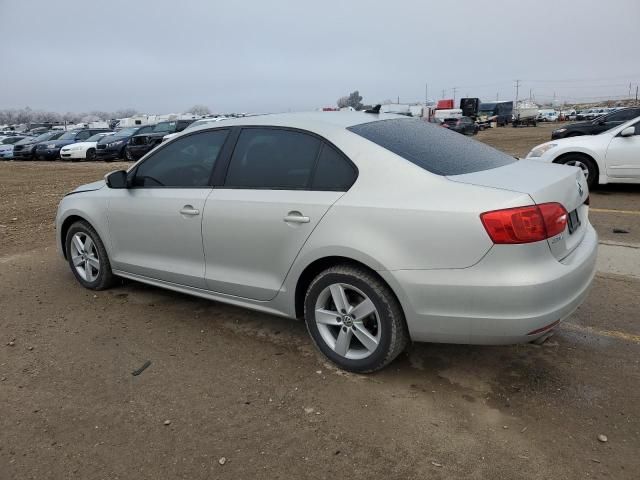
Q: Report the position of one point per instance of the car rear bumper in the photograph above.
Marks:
(515, 294)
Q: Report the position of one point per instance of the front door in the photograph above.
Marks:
(623, 155)
(279, 185)
(156, 225)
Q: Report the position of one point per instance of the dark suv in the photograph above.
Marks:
(50, 150)
(114, 146)
(25, 149)
(140, 144)
(597, 125)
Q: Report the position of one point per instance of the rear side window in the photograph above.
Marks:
(435, 149)
(272, 158)
(333, 172)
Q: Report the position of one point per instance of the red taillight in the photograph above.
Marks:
(525, 224)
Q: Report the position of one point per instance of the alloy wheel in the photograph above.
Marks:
(347, 321)
(580, 165)
(84, 256)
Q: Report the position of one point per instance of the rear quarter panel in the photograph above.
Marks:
(399, 216)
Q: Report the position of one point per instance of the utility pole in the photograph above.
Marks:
(517, 91)
(636, 94)
(398, 99)
(530, 93)
(443, 92)
(426, 93)
(629, 89)
(455, 89)
(497, 96)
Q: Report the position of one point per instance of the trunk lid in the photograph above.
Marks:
(544, 183)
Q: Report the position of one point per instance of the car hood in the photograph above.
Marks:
(82, 144)
(586, 141)
(58, 143)
(113, 138)
(89, 187)
(571, 126)
(152, 134)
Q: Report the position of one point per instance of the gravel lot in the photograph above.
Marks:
(225, 382)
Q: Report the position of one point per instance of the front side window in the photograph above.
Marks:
(186, 162)
(272, 158)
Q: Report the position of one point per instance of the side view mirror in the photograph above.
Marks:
(628, 132)
(117, 179)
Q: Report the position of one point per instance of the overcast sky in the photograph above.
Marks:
(259, 55)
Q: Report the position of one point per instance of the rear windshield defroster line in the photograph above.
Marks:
(431, 147)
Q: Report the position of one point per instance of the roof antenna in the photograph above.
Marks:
(375, 109)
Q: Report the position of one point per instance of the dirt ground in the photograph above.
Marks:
(226, 382)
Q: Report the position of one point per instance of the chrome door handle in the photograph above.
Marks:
(296, 217)
(189, 210)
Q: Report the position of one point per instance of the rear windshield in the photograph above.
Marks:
(433, 148)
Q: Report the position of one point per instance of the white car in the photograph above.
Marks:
(612, 156)
(83, 150)
(197, 123)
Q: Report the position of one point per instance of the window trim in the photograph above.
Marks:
(221, 180)
(131, 174)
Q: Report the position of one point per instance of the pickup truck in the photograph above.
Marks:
(142, 143)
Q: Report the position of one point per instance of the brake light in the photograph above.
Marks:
(525, 224)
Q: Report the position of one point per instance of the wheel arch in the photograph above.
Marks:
(64, 228)
(312, 270)
(560, 158)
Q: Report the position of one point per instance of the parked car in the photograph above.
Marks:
(309, 222)
(463, 125)
(197, 123)
(548, 115)
(610, 157)
(598, 125)
(25, 148)
(50, 150)
(83, 150)
(142, 143)
(7, 146)
(114, 147)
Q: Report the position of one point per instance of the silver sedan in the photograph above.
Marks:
(375, 229)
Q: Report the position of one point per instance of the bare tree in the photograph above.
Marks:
(354, 99)
(199, 110)
(125, 112)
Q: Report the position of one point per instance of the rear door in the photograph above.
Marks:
(155, 225)
(278, 185)
(623, 155)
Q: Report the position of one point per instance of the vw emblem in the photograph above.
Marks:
(580, 191)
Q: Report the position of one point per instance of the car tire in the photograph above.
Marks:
(586, 164)
(87, 257)
(355, 342)
(127, 155)
(91, 155)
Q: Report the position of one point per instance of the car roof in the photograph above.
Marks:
(308, 120)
